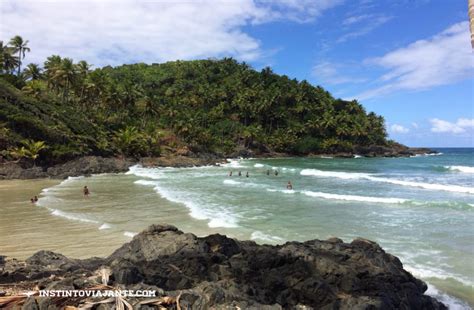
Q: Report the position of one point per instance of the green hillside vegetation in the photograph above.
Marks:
(208, 106)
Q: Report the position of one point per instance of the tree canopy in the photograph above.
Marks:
(213, 106)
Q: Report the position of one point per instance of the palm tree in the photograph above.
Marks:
(51, 65)
(33, 72)
(64, 75)
(34, 88)
(21, 47)
(8, 61)
(31, 149)
(126, 139)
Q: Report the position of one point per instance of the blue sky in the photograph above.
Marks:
(408, 60)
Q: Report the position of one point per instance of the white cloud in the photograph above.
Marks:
(442, 59)
(460, 126)
(355, 19)
(395, 128)
(113, 32)
(415, 125)
(373, 22)
(329, 73)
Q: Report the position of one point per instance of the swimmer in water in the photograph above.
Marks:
(276, 172)
(32, 200)
(289, 186)
(247, 174)
(268, 172)
(230, 173)
(86, 191)
(36, 198)
(240, 173)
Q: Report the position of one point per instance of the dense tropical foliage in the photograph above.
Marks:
(214, 106)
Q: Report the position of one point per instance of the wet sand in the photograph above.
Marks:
(26, 228)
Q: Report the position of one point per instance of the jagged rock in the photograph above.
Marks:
(220, 272)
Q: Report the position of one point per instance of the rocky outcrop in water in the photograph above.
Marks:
(223, 273)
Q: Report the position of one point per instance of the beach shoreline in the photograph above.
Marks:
(88, 165)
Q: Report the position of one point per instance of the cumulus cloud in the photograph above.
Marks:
(113, 32)
(442, 59)
(458, 127)
(395, 128)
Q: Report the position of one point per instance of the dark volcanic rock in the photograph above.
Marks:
(220, 272)
(82, 166)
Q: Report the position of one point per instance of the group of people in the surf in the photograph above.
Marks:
(34, 199)
(289, 186)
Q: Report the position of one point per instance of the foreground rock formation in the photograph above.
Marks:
(217, 272)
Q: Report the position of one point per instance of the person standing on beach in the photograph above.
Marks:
(86, 191)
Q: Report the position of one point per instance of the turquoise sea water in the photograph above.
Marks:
(420, 209)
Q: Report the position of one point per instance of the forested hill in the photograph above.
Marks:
(204, 106)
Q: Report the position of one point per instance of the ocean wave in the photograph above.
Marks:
(334, 174)
(104, 226)
(232, 163)
(430, 186)
(354, 197)
(215, 217)
(284, 191)
(259, 165)
(427, 272)
(232, 182)
(258, 235)
(71, 216)
(130, 234)
(463, 169)
(145, 182)
(452, 302)
(366, 176)
(427, 154)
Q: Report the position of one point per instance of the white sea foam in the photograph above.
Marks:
(151, 173)
(223, 220)
(353, 197)
(130, 234)
(430, 186)
(232, 182)
(258, 235)
(258, 165)
(104, 226)
(284, 191)
(145, 182)
(216, 217)
(357, 156)
(334, 174)
(73, 217)
(452, 302)
(365, 176)
(463, 169)
(232, 163)
(426, 272)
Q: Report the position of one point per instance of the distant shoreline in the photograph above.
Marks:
(88, 165)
